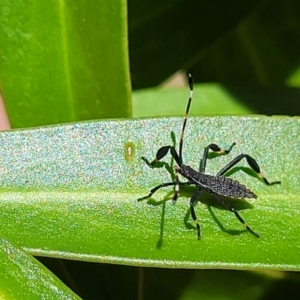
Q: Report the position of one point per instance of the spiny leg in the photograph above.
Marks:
(230, 208)
(161, 153)
(178, 183)
(193, 214)
(152, 191)
(215, 148)
(252, 163)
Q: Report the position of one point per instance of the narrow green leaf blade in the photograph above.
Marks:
(56, 61)
(71, 191)
(23, 277)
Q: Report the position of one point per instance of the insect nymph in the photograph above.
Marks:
(217, 185)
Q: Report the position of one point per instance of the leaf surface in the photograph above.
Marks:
(23, 277)
(71, 191)
(56, 61)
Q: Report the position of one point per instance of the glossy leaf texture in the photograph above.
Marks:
(56, 61)
(22, 277)
(71, 191)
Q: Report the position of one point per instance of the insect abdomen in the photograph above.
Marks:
(223, 186)
(226, 187)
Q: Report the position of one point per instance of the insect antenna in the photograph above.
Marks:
(190, 80)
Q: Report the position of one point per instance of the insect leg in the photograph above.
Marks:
(161, 186)
(251, 162)
(230, 208)
(177, 186)
(161, 153)
(215, 148)
(192, 203)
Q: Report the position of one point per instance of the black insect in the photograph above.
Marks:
(217, 185)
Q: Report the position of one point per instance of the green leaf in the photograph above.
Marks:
(71, 191)
(56, 61)
(217, 99)
(212, 99)
(23, 277)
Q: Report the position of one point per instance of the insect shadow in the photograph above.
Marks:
(209, 201)
(205, 199)
(170, 169)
